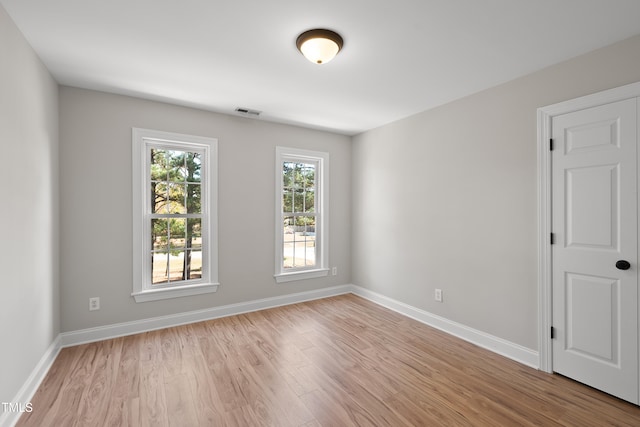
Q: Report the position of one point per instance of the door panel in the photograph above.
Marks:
(593, 190)
(592, 307)
(592, 136)
(594, 205)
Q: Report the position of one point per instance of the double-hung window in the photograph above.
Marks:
(302, 245)
(174, 215)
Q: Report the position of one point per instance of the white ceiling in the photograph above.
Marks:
(400, 57)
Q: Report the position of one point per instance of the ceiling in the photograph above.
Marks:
(399, 58)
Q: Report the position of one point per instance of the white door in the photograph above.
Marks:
(595, 225)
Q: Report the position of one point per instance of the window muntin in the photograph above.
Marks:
(301, 223)
(175, 252)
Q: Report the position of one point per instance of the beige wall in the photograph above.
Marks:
(96, 217)
(448, 198)
(29, 287)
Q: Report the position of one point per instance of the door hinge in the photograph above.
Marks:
(553, 333)
(552, 239)
(551, 144)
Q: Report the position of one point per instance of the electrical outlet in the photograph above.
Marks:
(334, 271)
(438, 295)
(94, 303)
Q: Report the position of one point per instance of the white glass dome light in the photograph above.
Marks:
(319, 46)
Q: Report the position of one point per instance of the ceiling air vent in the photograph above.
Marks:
(248, 112)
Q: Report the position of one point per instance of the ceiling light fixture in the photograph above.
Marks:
(319, 45)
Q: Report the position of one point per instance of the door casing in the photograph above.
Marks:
(545, 116)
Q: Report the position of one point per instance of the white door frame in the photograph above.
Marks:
(545, 115)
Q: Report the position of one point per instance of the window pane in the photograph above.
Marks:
(193, 265)
(305, 225)
(177, 233)
(288, 172)
(159, 234)
(305, 242)
(310, 247)
(298, 200)
(194, 167)
(287, 200)
(287, 252)
(308, 186)
(305, 176)
(193, 198)
(194, 233)
(176, 266)
(158, 165)
(288, 239)
(176, 166)
(159, 268)
(158, 197)
(288, 226)
(177, 196)
(298, 254)
(310, 200)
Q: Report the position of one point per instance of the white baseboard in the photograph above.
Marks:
(135, 327)
(500, 346)
(30, 386)
(503, 347)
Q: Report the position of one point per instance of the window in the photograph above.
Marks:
(174, 215)
(301, 214)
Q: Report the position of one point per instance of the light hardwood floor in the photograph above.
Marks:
(340, 361)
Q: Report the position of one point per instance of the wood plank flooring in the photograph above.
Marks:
(341, 361)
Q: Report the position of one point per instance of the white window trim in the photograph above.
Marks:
(322, 214)
(141, 140)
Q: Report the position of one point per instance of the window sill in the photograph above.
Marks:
(167, 293)
(301, 275)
